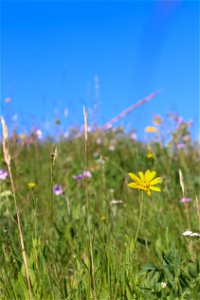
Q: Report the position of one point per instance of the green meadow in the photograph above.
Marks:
(93, 239)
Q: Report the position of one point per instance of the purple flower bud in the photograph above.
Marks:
(78, 177)
(3, 174)
(185, 200)
(133, 136)
(57, 189)
(180, 146)
(179, 120)
(87, 174)
(38, 133)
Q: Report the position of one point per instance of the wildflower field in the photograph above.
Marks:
(101, 215)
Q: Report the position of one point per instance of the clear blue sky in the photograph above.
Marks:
(52, 51)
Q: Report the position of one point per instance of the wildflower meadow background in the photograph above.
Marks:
(80, 219)
(99, 197)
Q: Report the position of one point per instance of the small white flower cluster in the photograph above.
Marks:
(190, 233)
(116, 202)
(163, 285)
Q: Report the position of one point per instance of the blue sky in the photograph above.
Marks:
(54, 53)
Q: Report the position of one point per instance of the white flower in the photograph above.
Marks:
(111, 147)
(195, 234)
(100, 161)
(98, 141)
(163, 285)
(38, 133)
(115, 202)
(187, 233)
(190, 233)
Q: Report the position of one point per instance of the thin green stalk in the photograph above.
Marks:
(53, 159)
(34, 199)
(140, 215)
(87, 208)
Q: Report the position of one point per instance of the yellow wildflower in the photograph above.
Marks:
(157, 120)
(103, 218)
(31, 185)
(150, 129)
(22, 136)
(146, 181)
(149, 154)
(186, 138)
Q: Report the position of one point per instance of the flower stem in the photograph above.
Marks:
(140, 215)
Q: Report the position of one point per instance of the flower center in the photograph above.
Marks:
(146, 185)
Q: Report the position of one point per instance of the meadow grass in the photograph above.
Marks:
(81, 244)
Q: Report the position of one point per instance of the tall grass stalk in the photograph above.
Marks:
(87, 205)
(130, 109)
(53, 160)
(187, 213)
(140, 216)
(197, 211)
(7, 158)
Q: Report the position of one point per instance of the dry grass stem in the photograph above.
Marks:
(8, 162)
(181, 182)
(130, 109)
(187, 213)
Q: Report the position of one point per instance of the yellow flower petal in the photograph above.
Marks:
(148, 192)
(31, 185)
(155, 188)
(135, 178)
(133, 185)
(149, 154)
(150, 129)
(155, 181)
(157, 120)
(141, 174)
(149, 175)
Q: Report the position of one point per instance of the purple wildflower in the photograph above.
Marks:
(180, 146)
(133, 136)
(38, 133)
(66, 135)
(185, 200)
(3, 174)
(78, 177)
(57, 190)
(179, 120)
(85, 174)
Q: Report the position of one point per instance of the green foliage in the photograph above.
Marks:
(161, 264)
